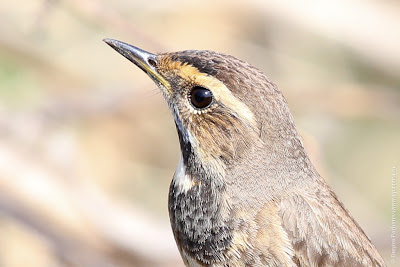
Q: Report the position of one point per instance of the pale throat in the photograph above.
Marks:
(181, 181)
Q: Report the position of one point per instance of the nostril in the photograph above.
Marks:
(152, 62)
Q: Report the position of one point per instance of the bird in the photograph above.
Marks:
(245, 192)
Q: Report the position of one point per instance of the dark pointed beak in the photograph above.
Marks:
(143, 59)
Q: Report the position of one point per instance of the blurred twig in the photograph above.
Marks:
(15, 47)
(99, 14)
(84, 226)
(367, 27)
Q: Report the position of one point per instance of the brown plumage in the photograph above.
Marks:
(245, 192)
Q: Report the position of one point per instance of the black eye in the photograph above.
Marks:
(200, 97)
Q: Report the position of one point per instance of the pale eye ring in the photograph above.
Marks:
(200, 97)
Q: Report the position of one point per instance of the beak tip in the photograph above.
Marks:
(143, 59)
(108, 41)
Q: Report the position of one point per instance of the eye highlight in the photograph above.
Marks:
(200, 97)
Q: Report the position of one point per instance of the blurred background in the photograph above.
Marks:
(88, 147)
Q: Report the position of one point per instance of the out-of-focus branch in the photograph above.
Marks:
(101, 15)
(84, 226)
(370, 28)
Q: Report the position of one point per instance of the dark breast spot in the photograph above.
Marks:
(197, 224)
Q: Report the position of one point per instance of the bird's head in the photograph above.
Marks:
(223, 107)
